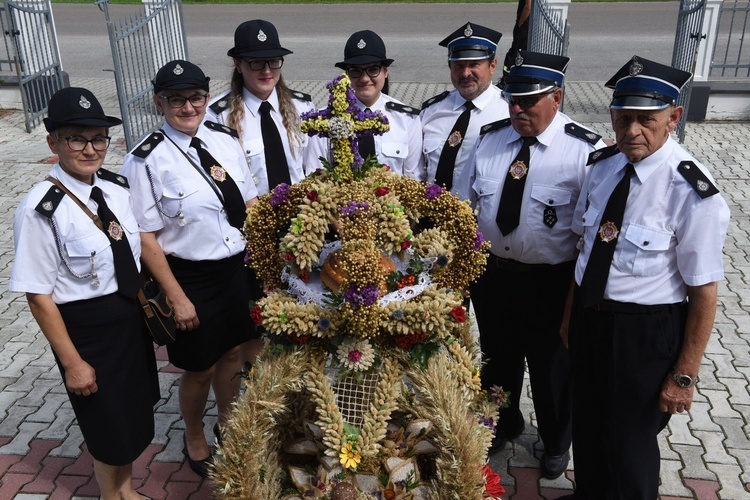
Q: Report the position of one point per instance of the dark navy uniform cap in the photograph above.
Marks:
(364, 47)
(179, 75)
(257, 38)
(644, 84)
(471, 42)
(534, 73)
(76, 106)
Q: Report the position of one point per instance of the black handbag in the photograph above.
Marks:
(158, 313)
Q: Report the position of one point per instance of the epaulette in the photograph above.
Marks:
(696, 178)
(603, 153)
(218, 127)
(118, 179)
(432, 100)
(144, 149)
(402, 108)
(50, 201)
(582, 133)
(300, 96)
(221, 104)
(489, 127)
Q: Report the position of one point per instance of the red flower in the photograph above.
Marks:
(407, 280)
(312, 195)
(389, 494)
(459, 314)
(492, 486)
(382, 191)
(300, 339)
(405, 244)
(406, 342)
(386, 167)
(304, 275)
(289, 256)
(257, 315)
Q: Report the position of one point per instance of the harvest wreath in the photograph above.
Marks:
(369, 386)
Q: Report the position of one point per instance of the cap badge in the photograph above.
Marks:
(702, 186)
(518, 170)
(519, 60)
(361, 44)
(635, 68)
(115, 231)
(608, 232)
(468, 31)
(84, 103)
(178, 70)
(262, 36)
(48, 206)
(455, 139)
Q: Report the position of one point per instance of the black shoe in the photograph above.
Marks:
(499, 441)
(200, 467)
(217, 433)
(553, 466)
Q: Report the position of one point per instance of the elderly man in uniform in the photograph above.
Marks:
(525, 177)
(451, 120)
(653, 226)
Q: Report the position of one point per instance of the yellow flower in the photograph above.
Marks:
(350, 458)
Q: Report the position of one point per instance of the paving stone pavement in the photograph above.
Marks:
(705, 454)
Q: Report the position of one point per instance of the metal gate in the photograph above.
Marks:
(549, 32)
(731, 56)
(141, 45)
(687, 38)
(32, 52)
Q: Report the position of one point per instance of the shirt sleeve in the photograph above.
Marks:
(36, 263)
(145, 188)
(700, 241)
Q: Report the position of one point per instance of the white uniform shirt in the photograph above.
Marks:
(38, 267)
(670, 238)
(179, 186)
(438, 121)
(400, 147)
(252, 138)
(556, 172)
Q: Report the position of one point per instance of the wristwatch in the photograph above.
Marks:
(684, 380)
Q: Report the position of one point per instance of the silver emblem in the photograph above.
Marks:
(485, 128)
(48, 206)
(591, 135)
(178, 70)
(226, 129)
(519, 60)
(146, 147)
(222, 103)
(468, 31)
(121, 179)
(298, 95)
(361, 44)
(596, 154)
(407, 109)
(702, 186)
(262, 36)
(84, 103)
(635, 68)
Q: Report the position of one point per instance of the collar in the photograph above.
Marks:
(80, 189)
(181, 139)
(648, 165)
(545, 138)
(480, 102)
(379, 105)
(252, 103)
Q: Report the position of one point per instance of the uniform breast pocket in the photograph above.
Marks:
(431, 144)
(550, 207)
(180, 199)
(395, 149)
(644, 250)
(80, 250)
(485, 189)
(256, 160)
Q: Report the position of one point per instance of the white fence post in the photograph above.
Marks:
(706, 50)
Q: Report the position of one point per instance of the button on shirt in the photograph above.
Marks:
(556, 172)
(670, 238)
(179, 186)
(38, 267)
(400, 147)
(252, 140)
(438, 121)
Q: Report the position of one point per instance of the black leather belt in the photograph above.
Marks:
(518, 267)
(631, 308)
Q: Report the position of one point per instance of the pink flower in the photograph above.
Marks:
(312, 195)
(382, 191)
(289, 256)
(354, 356)
(405, 244)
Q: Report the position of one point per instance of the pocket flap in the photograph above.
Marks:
(178, 192)
(647, 238)
(550, 195)
(485, 186)
(394, 149)
(86, 245)
(253, 147)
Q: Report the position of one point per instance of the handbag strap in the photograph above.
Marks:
(78, 202)
(198, 168)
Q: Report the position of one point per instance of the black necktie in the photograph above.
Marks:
(509, 209)
(277, 168)
(367, 145)
(126, 271)
(595, 276)
(447, 161)
(233, 202)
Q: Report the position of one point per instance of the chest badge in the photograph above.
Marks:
(218, 173)
(455, 139)
(608, 232)
(518, 170)
(115, 231)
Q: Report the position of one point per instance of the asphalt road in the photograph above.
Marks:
(603, 35)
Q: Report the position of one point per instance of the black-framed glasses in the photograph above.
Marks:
(178, 101)
(355, 72)
(526, 101)
(78, 143)
(259, 64)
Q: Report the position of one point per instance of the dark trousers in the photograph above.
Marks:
(621, 354)
(519, 311)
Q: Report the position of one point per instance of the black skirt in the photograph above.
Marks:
(220, 293)
(117, 422)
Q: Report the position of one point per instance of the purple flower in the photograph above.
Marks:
(442, 260)
(280, 194)
(489, 422)
(478, 240)
(354, 208)
(432, 191)
(365, 296)
(324, 324)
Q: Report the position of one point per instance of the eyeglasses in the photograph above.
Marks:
(259, 64)
(525, 102)
(355, 72)
(178, 101)
(78, 143)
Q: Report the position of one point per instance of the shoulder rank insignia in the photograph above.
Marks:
(603, 153)
(118, 179)
(144, 149)
(582, 133)
(50, 201)
(489, 127)
(300, 96)
(696, 178)
(402, 108)
(218, 127)
(221, 104)
(432, 100)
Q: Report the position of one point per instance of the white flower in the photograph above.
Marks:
(340, 128)
(356, 356)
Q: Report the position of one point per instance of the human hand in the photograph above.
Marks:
(80, 379)
(185, 316)
(673, 398)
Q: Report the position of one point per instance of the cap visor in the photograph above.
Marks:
(526, 88)
(280, 52)
(637, 102)
(363, 59)
(469, 55)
